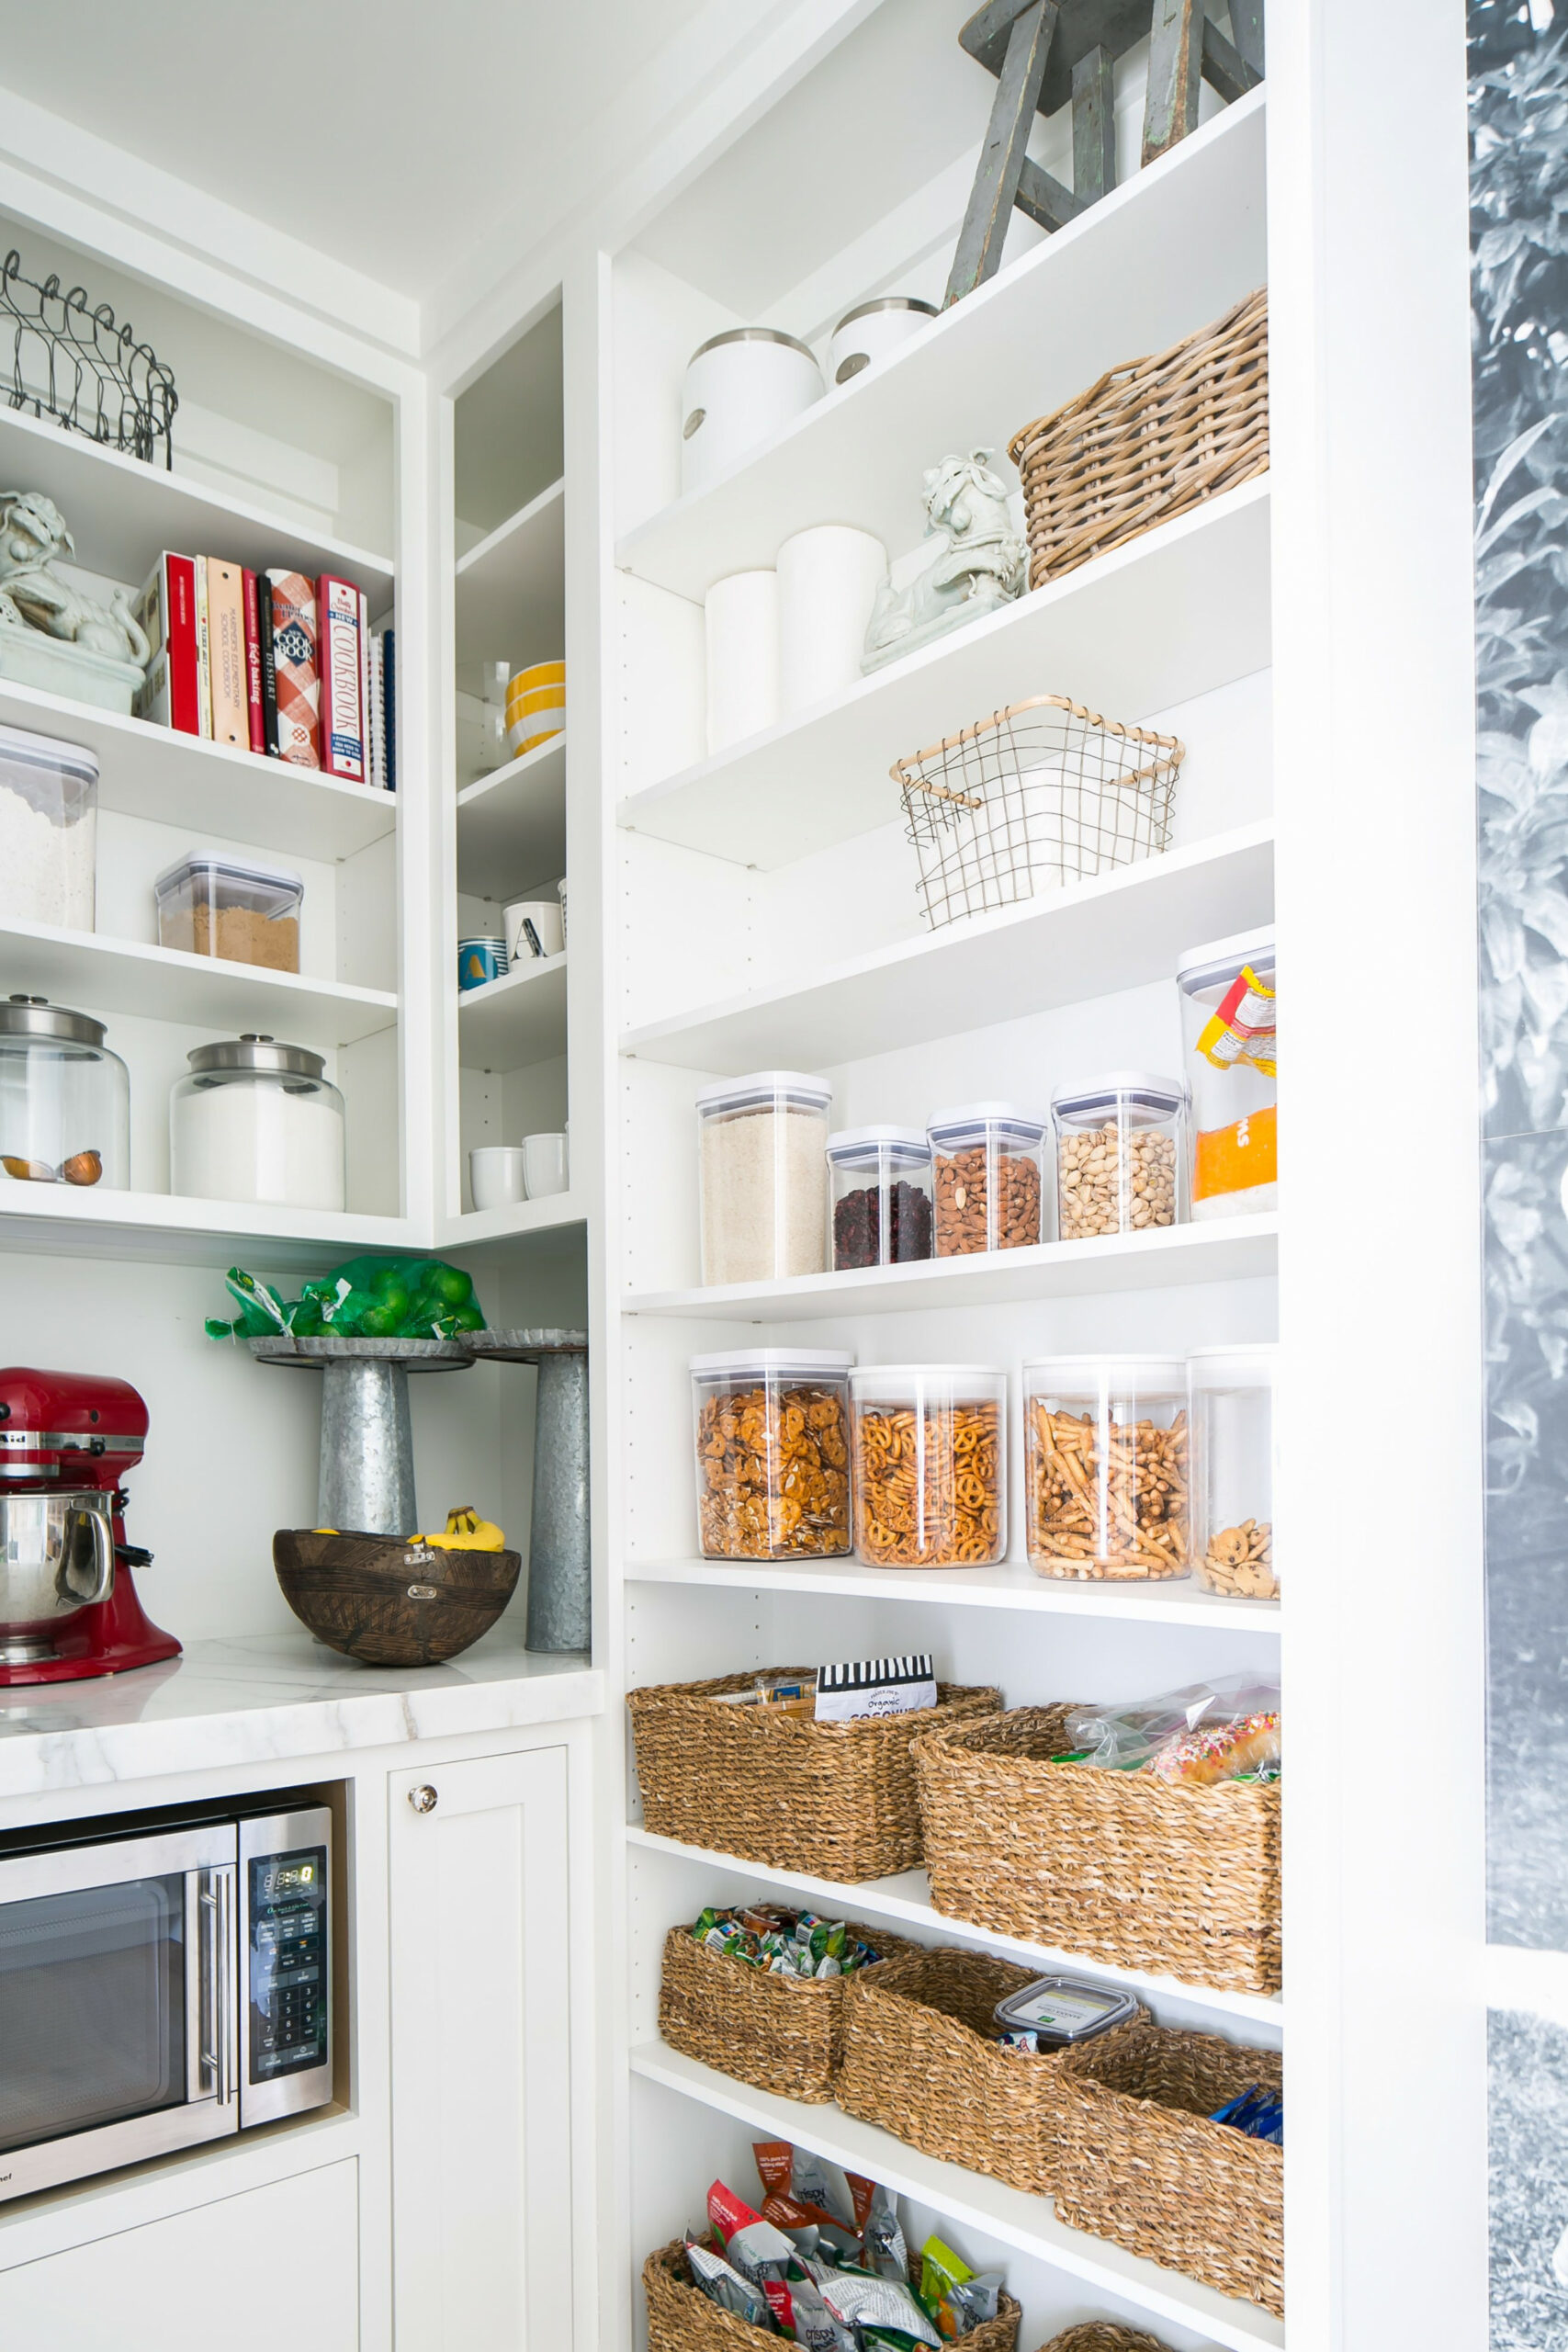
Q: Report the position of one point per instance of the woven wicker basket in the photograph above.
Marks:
(783, 2033)
(681, 2318)
(1137, 2159)
(922, 2057)
(1146, 442)
(1104, 2336)
(835, 1799)
(1116, 1866)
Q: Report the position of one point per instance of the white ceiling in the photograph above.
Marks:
(390, 134)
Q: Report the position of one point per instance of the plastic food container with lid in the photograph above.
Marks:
(929, 1464)
(255, 1120)
(763, 1176)
(882, 1196)
(1121, 1155)
(224, 906)
(740, 389)
(1228, 1005)
(1231, 1393)
(989, 1170)
(872, 330)
(1105, 1468)
(772, 1429)
(49, 823)
(64, 1098)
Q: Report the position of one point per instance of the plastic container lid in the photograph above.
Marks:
(764, 1086)
(851, 1146)
(1251, 1364)
(1220, 961)
(230, 869)
(45, 751)
(1136, 1370)
(979, 1119)
(1064, 2009)
(1142, 1089)
(928, 1371)
(772, 1361)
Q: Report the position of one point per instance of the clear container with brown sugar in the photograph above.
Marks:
(228, 907)
(989, 1165)
(1231, 1393)
(1121, 1155)
(929, 1464)
(773, 1455)
(1105, 1472)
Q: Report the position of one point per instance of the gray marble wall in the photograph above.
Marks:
(1518, 93)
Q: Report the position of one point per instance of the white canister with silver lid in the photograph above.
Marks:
(740, 389)
(872, 330)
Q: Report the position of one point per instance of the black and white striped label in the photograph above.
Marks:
(874, 1686)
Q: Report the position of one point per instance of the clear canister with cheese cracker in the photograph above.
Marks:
(930, 1447)
(1231, 1396)
(1106, 1469)
(1229, 1009)
(772, 1458)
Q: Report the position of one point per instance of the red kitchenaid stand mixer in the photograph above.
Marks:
(68, 1607)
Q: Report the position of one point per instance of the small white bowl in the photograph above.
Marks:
(495, 1175)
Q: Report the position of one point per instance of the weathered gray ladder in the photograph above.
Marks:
(1046, 52)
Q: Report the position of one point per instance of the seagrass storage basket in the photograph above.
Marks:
(1151, 439)
(1137, 2159)
(923, 2058)
(1103, 2335)
(782, 2033)
(835, 1799)
(681, 2319)
(1117, 1866)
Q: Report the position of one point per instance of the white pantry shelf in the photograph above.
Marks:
(168, 1228)
(493, 1230)
(512, 824)
(123, 514)
(175, 779)
(511, 589)
(1168, 617)
(1061, 947)
(1010, 1585)
(906, 1897)
(972, 2200)
(1233, 1249)
(1165, 253)
(125, 975)
(511, 1022)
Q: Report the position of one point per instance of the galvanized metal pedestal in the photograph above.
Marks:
(559, 1605)
(366, 1475)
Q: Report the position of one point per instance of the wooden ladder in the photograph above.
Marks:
(1048, 54)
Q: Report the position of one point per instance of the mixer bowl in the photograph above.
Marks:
(56, 1556)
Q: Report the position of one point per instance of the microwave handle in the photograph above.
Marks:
(219, 1979)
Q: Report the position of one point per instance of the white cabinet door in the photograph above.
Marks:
(482, 2084)
(271, 2267)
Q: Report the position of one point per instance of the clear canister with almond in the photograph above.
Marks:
(989, 1176)
(930, 1445)
(772, 1428)
(1106, 1469)
(1232, 1402)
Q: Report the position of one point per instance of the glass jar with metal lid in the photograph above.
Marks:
(257, 1120)
(64, 1098)
(882, 1196)
(1121, 1155)
(740, 389)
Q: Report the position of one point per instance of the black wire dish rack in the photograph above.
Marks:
(83, 369)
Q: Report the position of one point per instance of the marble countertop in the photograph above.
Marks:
(271, 1695)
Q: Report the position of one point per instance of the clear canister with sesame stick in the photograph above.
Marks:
(1106, 1472)
(1231, 1394)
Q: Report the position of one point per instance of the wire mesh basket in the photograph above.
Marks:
(1040, 794)
(81, 368)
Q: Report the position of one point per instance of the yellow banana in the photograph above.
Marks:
(465, 1531)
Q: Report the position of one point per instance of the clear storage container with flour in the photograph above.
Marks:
(257, 1120)
(1229, 1009)
(48, 822)
(763, 1176)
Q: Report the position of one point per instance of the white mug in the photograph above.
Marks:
(495, 1175)
(545, 916)
(544, 1165)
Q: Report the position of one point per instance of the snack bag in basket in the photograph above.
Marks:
(724, 2285)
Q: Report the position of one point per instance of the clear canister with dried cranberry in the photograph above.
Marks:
(989, 1169)
(882, 1196)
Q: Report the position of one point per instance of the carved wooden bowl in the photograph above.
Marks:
(390, 1603)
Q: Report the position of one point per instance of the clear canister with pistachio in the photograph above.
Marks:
(1231, 1401)
(1106, 1469)
(1121, 1155)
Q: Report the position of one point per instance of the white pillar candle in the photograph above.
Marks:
(827, 577)
(741, 625)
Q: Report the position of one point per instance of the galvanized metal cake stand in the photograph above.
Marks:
(559, 1606)
(367, 1476)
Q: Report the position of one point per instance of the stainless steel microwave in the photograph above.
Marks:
(162, 1983)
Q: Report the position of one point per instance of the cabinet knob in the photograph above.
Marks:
(423, 1799)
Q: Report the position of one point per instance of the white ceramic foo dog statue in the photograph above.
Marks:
(50, 634)
(982, 562)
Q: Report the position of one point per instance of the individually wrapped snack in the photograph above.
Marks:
(758, 2251)
(1206, 1732)
(859, 2302)
(786, 1943)
(826, 2194)
(885, 2252)
(725, 2286)
(1259, 2113)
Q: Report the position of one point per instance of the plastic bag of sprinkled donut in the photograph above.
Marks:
(1227, 1729)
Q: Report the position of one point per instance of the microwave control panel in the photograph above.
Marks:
(288, 1963)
